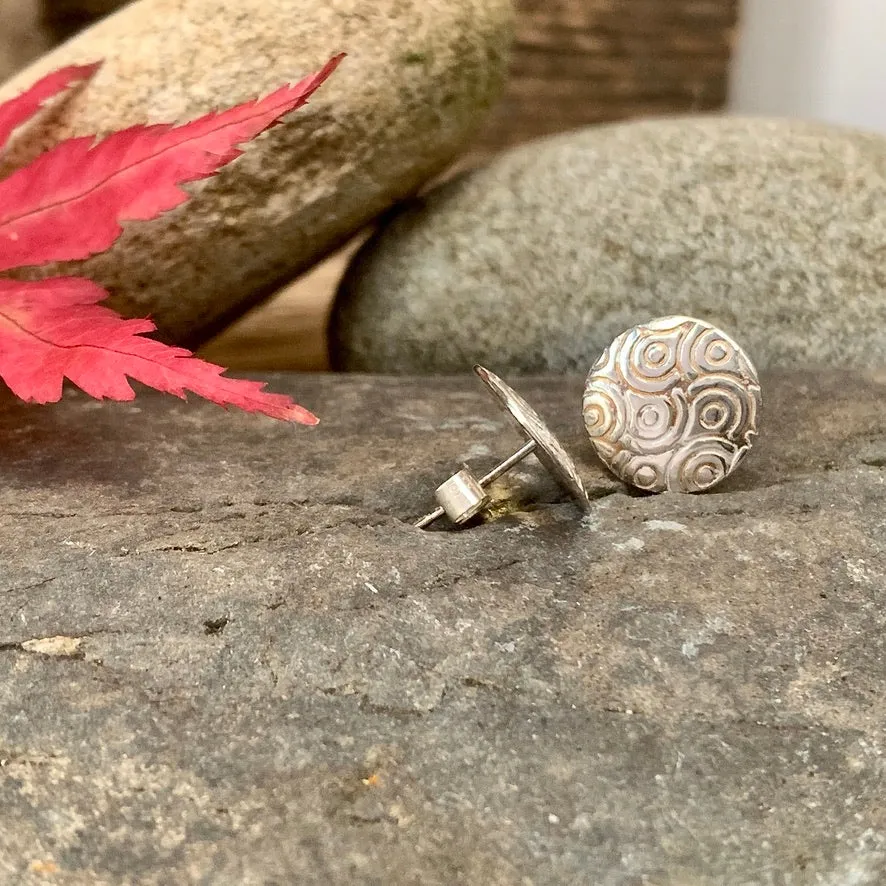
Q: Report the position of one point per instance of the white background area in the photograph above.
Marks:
(816, 59)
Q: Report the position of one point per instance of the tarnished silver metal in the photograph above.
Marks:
(463, 496)
(672, 405)
(547, 447)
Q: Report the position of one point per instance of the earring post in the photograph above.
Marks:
(430, 518)
(526, 449)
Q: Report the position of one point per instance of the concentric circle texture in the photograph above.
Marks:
(672, 405)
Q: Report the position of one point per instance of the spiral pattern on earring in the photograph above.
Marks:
(672, 405)
(604, 411)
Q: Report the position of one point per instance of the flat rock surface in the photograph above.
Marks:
(228, 657)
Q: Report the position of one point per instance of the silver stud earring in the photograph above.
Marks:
(464, 496)
(672, 405)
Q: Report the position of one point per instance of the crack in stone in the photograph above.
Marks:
(198, 549)
(30, 587)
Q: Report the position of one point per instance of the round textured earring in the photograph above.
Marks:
(672, 405)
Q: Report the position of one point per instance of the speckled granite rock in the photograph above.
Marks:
(229, 659)
(419, 75)
(773, 230)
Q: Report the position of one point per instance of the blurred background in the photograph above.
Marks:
(578, 62)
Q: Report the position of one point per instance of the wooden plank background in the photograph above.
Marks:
(578, 62)
(575, 63)
(21, 37)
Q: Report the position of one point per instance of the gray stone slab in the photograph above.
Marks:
(270, 677)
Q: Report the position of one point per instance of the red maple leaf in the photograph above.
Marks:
(68, 204)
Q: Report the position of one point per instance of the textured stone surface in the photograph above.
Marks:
(771, 230)
(228, 659)
(418, 77)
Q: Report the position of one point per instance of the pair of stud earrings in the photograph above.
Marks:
(671, 405)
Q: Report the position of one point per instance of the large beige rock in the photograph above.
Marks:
(418, 77)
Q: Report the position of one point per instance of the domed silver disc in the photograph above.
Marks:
(672, 405)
